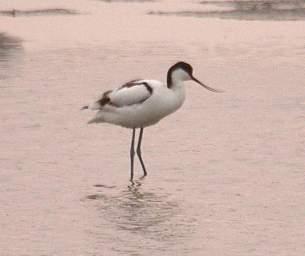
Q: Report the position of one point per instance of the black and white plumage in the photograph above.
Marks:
(141, 103)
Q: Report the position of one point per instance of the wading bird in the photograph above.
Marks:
(141, 103)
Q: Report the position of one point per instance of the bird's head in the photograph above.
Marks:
(183, 71)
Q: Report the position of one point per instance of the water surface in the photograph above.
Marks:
(225, 173)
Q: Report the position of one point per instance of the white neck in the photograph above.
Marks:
(177, 77)
(177, 84)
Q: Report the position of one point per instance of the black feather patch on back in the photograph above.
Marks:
(131, 83)
(136, 82)
(105, 99)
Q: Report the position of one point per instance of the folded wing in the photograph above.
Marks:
(130, 94)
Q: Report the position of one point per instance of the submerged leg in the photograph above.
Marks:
(132, 154)
(139, 151)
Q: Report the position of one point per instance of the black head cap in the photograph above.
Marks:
(183, 65)
(179, 65)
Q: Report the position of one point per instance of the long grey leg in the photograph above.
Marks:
(139, 151)
(132, 153)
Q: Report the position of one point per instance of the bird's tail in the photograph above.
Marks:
(94, 106)
(99, 118)
(96, 120)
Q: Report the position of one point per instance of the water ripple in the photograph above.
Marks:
(137, 212)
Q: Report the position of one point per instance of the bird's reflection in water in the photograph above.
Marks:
(145, 212)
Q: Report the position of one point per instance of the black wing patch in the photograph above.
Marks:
(137, 82)
(105, 99)
(131, 83)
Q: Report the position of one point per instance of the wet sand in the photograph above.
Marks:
(225, 172)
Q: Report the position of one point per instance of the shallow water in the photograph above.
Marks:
(225, 173)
